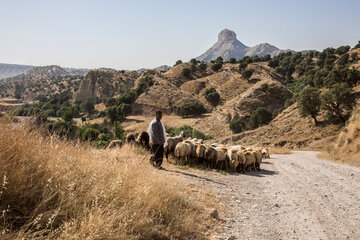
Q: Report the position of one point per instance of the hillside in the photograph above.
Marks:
(39, 81)
(11, 70)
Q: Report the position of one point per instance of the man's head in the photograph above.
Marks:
(158, 115)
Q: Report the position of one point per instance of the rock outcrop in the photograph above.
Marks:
(228, 46)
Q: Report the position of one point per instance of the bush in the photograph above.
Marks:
(67, 116)
(202, 66)
(87, 106)
(247, 73)
(212, 96)
(178, 62)
(242, 66)
(260, 116)
(237, 125)
(264, 87)
(191, 109)
(186, 72)
(119, 132)
(188, 132)
(90, 134)
(216, 67)
(193, 61)
(232, 60)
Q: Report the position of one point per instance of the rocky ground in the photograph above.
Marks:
(295, 196)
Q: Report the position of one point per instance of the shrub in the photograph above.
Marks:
(237, 125)
(260, 116)
(67, 116)
(191, 109)
(186, 72)
(87, 106)
(216, 67)
(202, 66)
(242, 66)
(232, 60)
(178, 62)
(212, 96)
(193, 61)
(264, 87)
(90, 134)
(119, 132)
(247, 73)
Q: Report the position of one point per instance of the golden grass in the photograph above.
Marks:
(53, 189)
(279, 150)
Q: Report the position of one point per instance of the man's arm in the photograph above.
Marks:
(161, 133)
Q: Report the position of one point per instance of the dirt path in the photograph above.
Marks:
(296, 196)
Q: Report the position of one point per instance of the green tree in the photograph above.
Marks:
(67, 116)
(260, 116)
(216, 67)
(237, 125)
(193, 61)
(242, 66)
(247, 73)
(186, 72)
(232, 60)
(203, 66)
(212, 96)
(119, 131)
(178, 62)
(219, 60)
(111, 113)
(309, 103)
(191, 109)
(87, 106)
(336, 100)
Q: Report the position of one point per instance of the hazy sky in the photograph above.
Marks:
(133, 34)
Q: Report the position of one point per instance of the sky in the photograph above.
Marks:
(137, 34)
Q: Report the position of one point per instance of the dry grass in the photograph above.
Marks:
(53, 189)
(279, 150)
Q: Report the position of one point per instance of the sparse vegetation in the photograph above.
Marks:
(193, 108)
(247, 73)
(212, 96)
(237, 125)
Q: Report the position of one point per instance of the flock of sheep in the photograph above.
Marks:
(237, 158)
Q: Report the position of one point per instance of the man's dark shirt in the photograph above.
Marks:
(157, 133)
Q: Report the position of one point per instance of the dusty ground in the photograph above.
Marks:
(296, 196)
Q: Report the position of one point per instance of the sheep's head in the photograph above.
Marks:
(179, 144)
(247, 153)
(223, 148)
(167, 135)
(233, 150)
(195, 139)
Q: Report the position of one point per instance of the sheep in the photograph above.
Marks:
(193, 148)
(258, 159)
(241, 159)
(233, 159)
(182, 152)
(210, 156)
(143, 140)
(265, 152)
(221, 157)
(249, 161)
(172, 142)
(200, 152)
(130, 138)
(115, 143)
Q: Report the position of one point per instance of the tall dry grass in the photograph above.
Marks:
(53, 189)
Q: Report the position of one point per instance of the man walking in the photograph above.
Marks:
(157, 134)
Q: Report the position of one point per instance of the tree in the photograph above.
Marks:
(111, 113)
(203, 66)
(87, 106)
(191, 109)
(242, 66)
(219, 60)
(309, 103)
(260, 117)
(336, 100)
(124, 110)
(341, 50)
(193, 61)
(273, 63)
(178, 62)
(232, 60)
(247, 73)
(357, 45)
(119, 131)
(216, 67)
(237, 125)
(186, 72)
(67, 116)
(212, 96)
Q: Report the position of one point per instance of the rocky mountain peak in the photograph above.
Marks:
(227, 35)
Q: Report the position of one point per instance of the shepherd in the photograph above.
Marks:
(157, 134)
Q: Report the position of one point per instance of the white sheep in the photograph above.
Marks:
(233, 159)
(182, 152)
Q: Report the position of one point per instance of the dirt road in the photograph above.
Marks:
(296, 196)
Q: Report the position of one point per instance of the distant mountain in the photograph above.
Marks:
(11, 70)
(228, 46)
